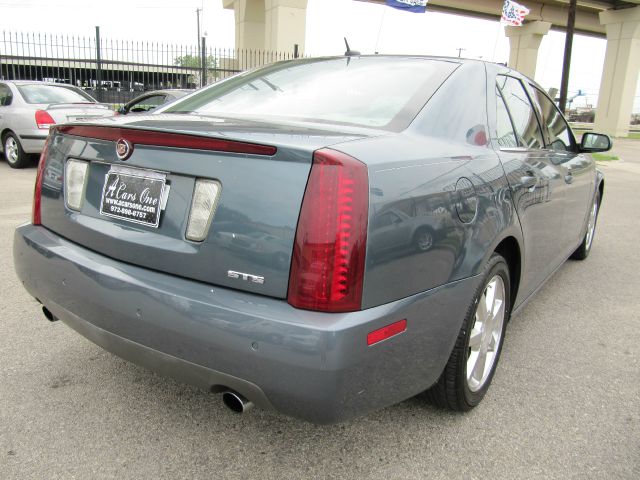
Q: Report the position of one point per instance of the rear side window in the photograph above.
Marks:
(148, 103)
(506, 136)
(36, 93)
(377, 92)
(558, 133)
(523, 115)
(5, 95)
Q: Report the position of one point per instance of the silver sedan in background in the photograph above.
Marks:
(29, 108)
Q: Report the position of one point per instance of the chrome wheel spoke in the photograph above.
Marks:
(479, 367)
(475, 340)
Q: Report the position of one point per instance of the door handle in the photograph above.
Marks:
(568, 178)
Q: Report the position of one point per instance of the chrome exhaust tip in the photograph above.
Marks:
(236, 402)
(48, 315)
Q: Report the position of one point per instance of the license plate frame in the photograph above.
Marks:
(145, 208)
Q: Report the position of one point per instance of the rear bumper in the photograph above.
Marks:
(32, 141)
(306, 364)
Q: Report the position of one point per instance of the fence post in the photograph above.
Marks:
(203, 76)
(295, 51)
(98, 66)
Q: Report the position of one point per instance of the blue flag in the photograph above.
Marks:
(415, 6)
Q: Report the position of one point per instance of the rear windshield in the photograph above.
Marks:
(377, 92)
(52, 94)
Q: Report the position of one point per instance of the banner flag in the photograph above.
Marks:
(415, 6)
(513, 13)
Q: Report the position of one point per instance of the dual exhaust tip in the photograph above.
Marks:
(232, 400)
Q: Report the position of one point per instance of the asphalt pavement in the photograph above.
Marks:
(565, 402)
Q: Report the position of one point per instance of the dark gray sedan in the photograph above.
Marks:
(323, 237)
(149, 101)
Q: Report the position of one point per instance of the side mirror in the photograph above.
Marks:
(122, 110)
(595, 142)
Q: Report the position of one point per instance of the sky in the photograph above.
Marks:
(369, 28)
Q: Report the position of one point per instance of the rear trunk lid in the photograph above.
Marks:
(262, 181)
(76, 112)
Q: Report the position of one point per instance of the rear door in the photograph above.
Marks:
(578, 169)
(537, 183)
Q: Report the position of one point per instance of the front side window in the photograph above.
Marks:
(559, 136)
(523, 115)
(38, 93)
(377, 92)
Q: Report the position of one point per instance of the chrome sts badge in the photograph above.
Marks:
(247, 277)
(123, 149)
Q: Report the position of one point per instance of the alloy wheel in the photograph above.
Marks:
(11, 149)
(486, 334)
(591, 227)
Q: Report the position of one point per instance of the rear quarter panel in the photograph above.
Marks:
(443, 178)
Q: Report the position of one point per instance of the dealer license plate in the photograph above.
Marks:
(133, 195)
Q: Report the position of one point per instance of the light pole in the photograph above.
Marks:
(198, 10)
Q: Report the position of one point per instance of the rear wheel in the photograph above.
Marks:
(13, 152)
(469, 371)
(583, 250)
(423, 240)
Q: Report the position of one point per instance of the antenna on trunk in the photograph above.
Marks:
(349, 52)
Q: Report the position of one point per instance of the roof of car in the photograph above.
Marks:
(36, 82)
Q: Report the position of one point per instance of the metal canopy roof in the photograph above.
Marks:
(554, 11)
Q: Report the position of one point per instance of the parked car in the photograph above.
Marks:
(28, 109)
(143, 247)
(152, 100)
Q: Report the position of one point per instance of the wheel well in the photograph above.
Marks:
(510, 250)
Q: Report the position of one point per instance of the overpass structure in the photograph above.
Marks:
(279, 24)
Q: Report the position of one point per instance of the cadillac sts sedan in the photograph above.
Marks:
(322, 237)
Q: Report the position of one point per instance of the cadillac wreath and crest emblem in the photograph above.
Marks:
(123, 149)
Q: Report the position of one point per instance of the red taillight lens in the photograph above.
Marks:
(44, 120)
(327, 270)
(36, 217)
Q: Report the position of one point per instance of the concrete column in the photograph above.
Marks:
(525, 42)
(620, 74)
(250, 23)
(285, 24)
(272, 25)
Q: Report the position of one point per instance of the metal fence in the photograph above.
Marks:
(115, 71)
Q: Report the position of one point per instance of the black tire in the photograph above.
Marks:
(15, 156)
(452, 390)
(423, 240)
(582, 252)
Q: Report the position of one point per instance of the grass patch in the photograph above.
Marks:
(634, 135)
(603, 157)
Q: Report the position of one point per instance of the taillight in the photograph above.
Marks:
(36, 217)
(44, 120)
(327, 269)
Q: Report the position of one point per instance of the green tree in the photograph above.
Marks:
(193, 61)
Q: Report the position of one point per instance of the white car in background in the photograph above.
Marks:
(29, 108)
